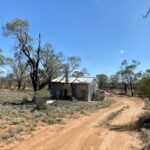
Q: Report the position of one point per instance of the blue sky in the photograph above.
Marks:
(101, 32)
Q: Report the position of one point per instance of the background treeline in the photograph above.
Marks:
(127, 81)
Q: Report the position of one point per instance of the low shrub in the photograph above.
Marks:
(4, 126)
(145, 136)
(113, 115)
(144, 120)
(144, 124)
(19, 129)
(5, 136)
(40, 98)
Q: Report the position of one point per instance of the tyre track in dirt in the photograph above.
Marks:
(86, 133)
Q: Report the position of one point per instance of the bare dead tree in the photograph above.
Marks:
(147, 13)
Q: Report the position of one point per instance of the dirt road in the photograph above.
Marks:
(87, 134)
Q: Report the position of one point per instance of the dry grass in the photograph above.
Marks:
(19, 120)
(7, 96)
(144, 124)
(145, 136)
(113, 115)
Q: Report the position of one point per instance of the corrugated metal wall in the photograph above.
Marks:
(80, 91)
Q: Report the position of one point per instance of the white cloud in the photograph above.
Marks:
(122, 52)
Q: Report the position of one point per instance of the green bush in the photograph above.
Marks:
(144, 87)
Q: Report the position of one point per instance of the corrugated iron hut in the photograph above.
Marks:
(79, 88)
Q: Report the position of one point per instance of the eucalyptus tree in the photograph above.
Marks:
(70, 65)
(2, 58)
(51, 63)
(114, 81)
(102, 80)
(19, 29)
(127, 75)
(44, 63)
(80, 73)
(19, 69)
(144, 84)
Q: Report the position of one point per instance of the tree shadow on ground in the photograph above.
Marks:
(126, 127)
(19, 102)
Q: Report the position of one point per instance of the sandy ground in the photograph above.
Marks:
(86, 133)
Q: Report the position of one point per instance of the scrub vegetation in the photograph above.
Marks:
(21, 119)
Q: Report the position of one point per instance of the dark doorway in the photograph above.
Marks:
(65, 97)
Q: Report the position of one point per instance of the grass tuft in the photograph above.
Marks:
(110, 117)
(144, 123)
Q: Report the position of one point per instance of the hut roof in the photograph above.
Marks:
(74, 80)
